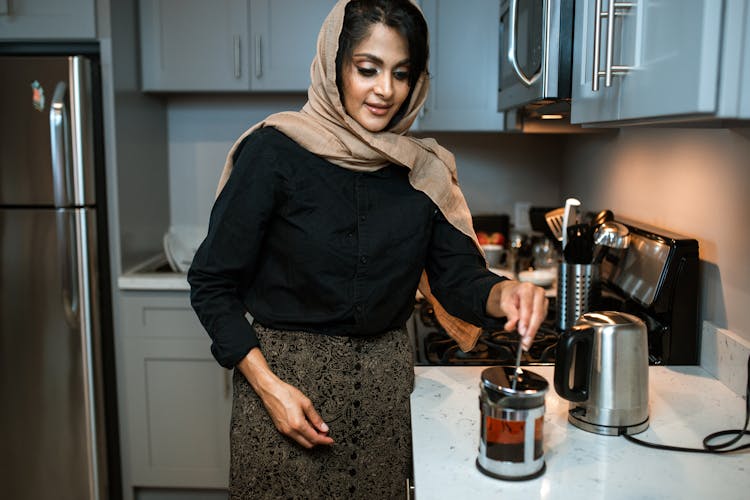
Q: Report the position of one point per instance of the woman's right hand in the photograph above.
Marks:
(292, 412)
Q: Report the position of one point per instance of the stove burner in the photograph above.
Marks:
(494, 347)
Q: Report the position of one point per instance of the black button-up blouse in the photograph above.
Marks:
(302, 244)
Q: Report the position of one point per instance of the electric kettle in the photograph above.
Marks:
(601, 367)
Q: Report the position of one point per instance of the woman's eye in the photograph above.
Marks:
(401, 75)
(367, 71)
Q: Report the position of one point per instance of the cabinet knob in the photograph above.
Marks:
(258, 57)
(227, 383)
(237, 58)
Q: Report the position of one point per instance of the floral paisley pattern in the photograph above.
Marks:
(361, 388)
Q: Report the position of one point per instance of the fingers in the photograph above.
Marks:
(316, 430)
(300, 429)
(294, 415)
(525, 307)
(538, 313)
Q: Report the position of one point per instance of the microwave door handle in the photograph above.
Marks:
(512, 47)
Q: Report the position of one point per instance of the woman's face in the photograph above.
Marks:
(375, 81)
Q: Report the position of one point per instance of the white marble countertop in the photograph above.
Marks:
(686, 404)
(150, 275)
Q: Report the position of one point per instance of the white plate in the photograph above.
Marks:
(539, 277)
(180, 245)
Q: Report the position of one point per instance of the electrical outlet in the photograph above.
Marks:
(521, 220)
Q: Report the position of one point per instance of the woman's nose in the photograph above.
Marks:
(384, 86)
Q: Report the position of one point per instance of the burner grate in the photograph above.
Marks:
(494, 347)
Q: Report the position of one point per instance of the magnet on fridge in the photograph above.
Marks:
(37, 95)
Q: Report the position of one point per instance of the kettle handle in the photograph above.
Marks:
(584, 339)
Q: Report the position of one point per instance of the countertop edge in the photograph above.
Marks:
(143, 277)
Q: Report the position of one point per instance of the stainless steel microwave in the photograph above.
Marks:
(536, 54)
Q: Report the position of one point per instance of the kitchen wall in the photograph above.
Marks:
(495, 170)
(694, 182)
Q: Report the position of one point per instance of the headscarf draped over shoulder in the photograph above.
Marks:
(324, 128)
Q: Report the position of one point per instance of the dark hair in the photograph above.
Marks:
(401, 15)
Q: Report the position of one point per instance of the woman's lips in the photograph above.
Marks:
(377, 110)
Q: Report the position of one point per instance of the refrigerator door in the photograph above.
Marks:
(51, 427)
(46, 133)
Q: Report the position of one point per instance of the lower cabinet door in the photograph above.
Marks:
(178, 406)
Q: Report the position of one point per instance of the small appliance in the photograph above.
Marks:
(536, 56)
(601, 367)
(656, 279)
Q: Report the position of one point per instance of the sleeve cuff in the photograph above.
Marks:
(240, 338)
(484, 286)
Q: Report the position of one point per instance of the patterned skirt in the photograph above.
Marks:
(360, 387)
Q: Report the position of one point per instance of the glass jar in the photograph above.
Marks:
(512, 426)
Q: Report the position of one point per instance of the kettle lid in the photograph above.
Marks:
(607, 318)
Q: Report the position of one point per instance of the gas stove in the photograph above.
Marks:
(433, 346)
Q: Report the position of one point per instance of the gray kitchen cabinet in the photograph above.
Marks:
(666, 60)
(464, 63)
(47, 20)
(175, 399)
(194, 45)
(229, 45)
(284, 38)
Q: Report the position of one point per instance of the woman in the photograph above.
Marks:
(324, 223)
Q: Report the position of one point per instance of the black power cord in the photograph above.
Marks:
(707, 446)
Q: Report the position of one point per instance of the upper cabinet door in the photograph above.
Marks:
(744, 71)
(194, 45)
(47, 20)
(673, 48)
(284, 37)
(464, 62)
(591, 104)
(662, 57)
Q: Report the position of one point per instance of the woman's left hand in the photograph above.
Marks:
(523, 304)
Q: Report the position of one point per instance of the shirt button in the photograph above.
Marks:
(358, 308)
(349, 235)
(363, 259)
(363, 218)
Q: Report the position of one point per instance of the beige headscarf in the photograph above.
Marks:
(324, 128)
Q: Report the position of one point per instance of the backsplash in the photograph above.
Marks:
(495, 170)
(691, 181)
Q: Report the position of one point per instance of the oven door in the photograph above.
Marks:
(535, 47)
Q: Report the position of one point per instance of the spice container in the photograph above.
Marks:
(511, 435)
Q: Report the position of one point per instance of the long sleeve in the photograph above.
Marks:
(458, 275)
(226, 260)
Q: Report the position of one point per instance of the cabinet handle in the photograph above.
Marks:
(512, 45)
(597, 45)
(258, 58)
(614, 9)
(227, 384)
(237, 59)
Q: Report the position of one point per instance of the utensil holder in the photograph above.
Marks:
(575, 291)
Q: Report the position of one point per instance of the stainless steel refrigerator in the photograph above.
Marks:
(57, 433)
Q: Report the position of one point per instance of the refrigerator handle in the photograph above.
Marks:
(4, 7)
(60, 149)
(67, 257)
